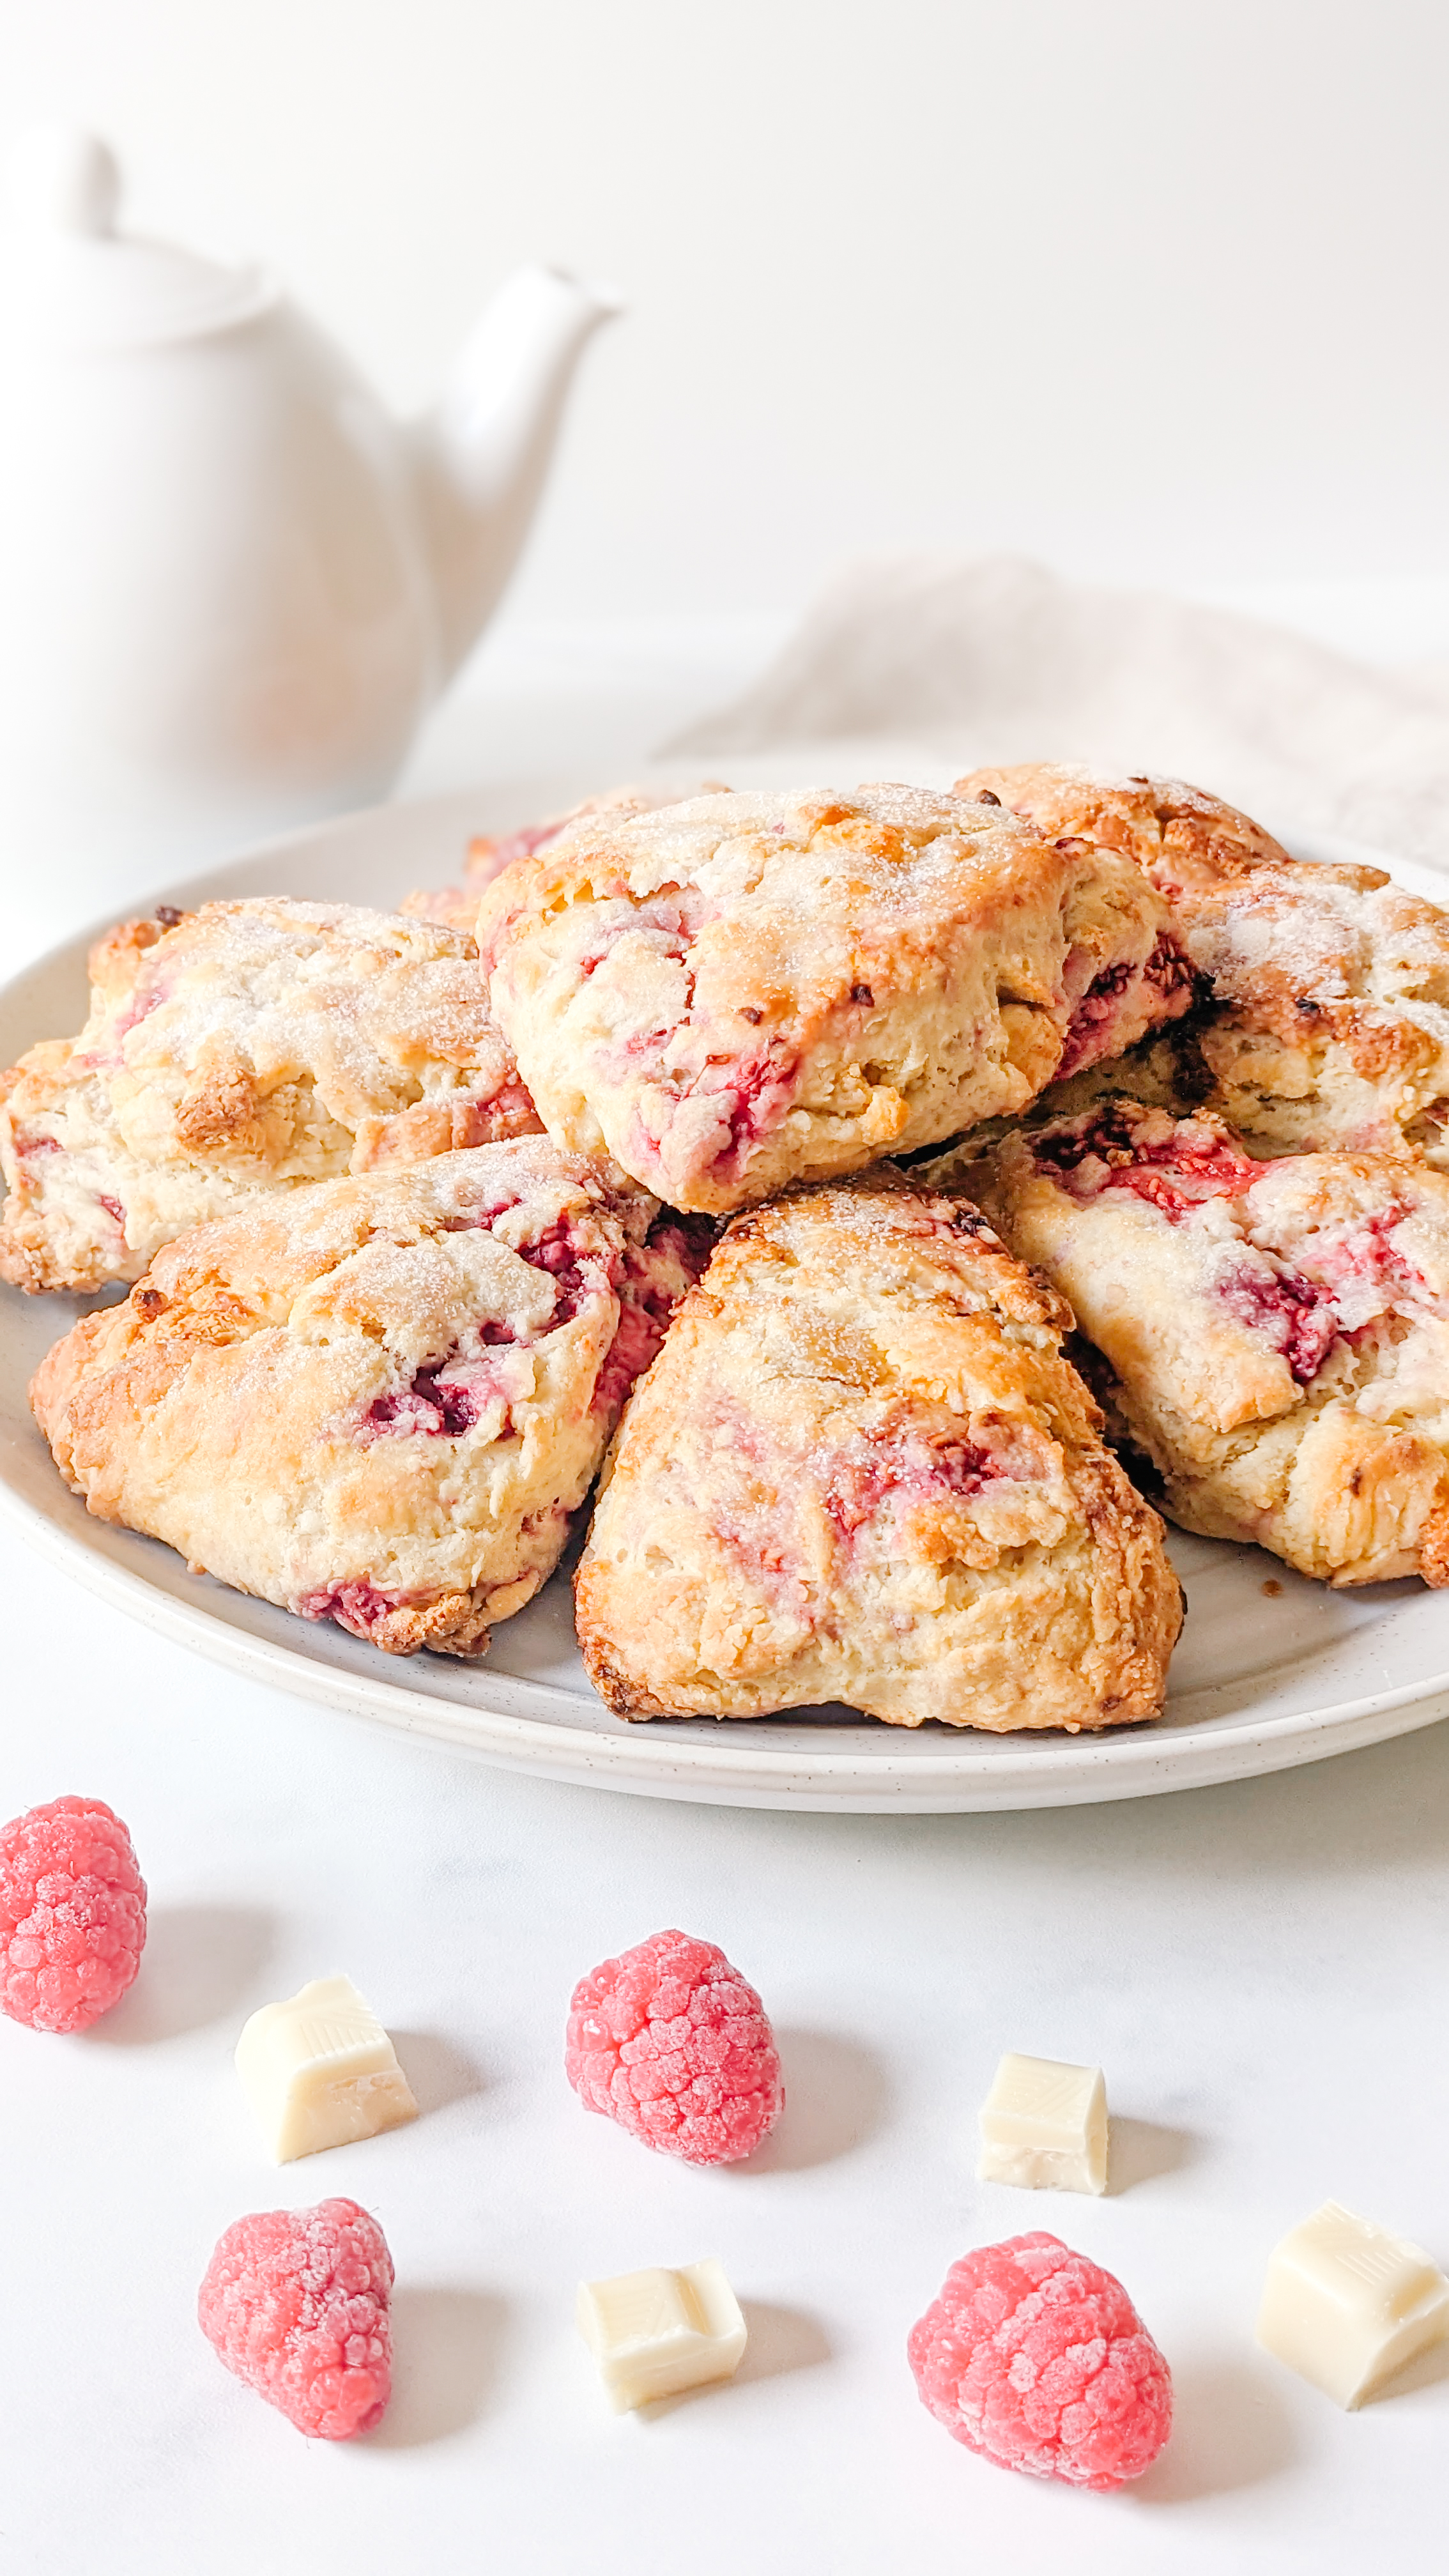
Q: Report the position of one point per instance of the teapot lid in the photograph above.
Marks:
(77, 283)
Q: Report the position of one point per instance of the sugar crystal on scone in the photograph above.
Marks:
(862, 1470)
(377, 1401)
(242, 1049)
(743, 991)
(1275, 1334)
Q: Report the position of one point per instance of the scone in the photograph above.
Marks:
(743, 991)
(489, 853)
(377, 1400)
(1327, 988)
(242, 1048)
(861, 1470)
(1276, 1334)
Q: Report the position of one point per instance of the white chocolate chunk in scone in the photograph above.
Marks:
(1346, 2304)
(1044, 2126)
(658, 2332)
(743, 991)
(320, 2071)
(861, 1470)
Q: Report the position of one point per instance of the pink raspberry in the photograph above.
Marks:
(72, 1914)
(671, 2042)
(1038, 2359)
(296, 2303)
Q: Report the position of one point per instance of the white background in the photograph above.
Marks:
(1155, 289)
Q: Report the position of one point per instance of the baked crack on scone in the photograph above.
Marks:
(862, 1470)
(378, 1400)
(1327, 987)
(242, 1048)
(1276, 1334)
(743, 991)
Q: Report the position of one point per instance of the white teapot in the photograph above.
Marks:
(231, 585)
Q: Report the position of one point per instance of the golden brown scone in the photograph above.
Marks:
(489, 853)
(242, 1048)
(1276, 1333)
(1327, 1013)
(376, 1401)
(861, 1470)
(743, 991)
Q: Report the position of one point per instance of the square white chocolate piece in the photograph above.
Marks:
(1346, 2304)
(320, 2071)
(1044, 2126)
(657, 2332)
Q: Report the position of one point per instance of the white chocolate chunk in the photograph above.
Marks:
(1044, 2126)
(654, 2333)
(320, 2071)
(1346, 2304)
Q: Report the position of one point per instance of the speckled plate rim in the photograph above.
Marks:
(543, 1719)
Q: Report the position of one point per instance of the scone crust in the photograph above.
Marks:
(1179, 835)
(861, 1470)
(743, 991)
(375, 1400)
(1326, 986)
(243, 1048)
(1275, 1333)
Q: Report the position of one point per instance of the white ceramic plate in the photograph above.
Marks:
(1261, 1680)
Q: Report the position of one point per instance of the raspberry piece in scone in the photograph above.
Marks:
(72, 1914)
(1275, 1334)
(671, 2042)
(1036, 2358)
(296, 2303)
(743, 991)
(861, 1470)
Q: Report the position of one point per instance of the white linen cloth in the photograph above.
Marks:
(1001, 660)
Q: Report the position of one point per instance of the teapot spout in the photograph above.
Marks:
(481, 457)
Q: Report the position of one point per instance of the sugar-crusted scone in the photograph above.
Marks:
(861, 1470)
(1276, 1333)
(743, 991)
(241, 1048)
(1182, 837)
(489, 853)
(376, 1400)
(1328, 1018)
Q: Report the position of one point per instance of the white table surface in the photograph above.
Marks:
(1261, 1971)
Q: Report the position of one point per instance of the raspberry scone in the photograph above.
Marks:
(743, 991)
(1276, 1334)
(1326, 1018)
(241, 1048)
(489, 853)
(378, 1400)
(861, 1470)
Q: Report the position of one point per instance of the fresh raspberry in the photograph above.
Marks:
(1038, 2359)
(72, 1914)
(671, 2042)
(296, 2303)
